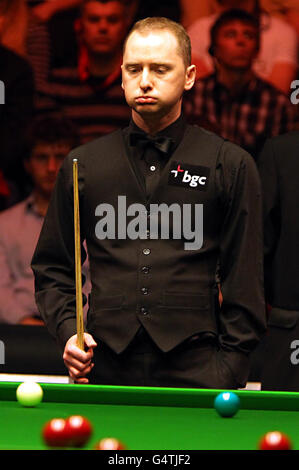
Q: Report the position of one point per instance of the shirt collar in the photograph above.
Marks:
(175, 130)
(84, 74)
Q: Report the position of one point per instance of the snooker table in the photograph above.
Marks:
(150, 417)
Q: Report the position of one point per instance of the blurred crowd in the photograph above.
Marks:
(60, 66)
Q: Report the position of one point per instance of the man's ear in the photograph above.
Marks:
(190, 77)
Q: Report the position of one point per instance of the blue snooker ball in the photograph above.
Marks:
(227, 404)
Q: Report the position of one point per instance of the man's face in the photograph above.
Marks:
(103, 27)
(44, 163)
(154, 75)
(236, 45)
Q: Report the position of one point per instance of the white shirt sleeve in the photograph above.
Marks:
(278, 44)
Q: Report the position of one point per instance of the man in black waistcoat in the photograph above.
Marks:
(163, 206)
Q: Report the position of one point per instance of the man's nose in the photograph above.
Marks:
(241, 39)
(145, 80)
(52, 164)
(103, 25)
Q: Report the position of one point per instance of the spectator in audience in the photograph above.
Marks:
(233, 102)
(49, 141)
(18, 85)
(59, 17)
(277, 60)
(90, 93)
(278, 354)
(51, 38)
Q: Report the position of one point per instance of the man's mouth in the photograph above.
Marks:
(102, 40)
(146, 100)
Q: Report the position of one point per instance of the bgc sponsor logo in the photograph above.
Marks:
(189, 176)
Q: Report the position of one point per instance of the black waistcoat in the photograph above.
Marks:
(158, 283)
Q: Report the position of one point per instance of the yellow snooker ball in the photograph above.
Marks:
(29, 393)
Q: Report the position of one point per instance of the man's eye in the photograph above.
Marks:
(161, 70)
(40, 157)
(132, 70)
(114, 19)
(230, 34)
(249, 35)
(93, 19)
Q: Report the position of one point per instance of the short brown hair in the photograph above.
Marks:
(154, 23)
(125, 3)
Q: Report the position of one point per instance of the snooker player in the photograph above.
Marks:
(154, 318)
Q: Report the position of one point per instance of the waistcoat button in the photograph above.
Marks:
(144, 311)
(145, 269)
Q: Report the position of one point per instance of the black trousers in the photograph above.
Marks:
(196, 363)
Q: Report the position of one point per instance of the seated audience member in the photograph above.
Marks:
(59, 16)
(17, 92)
(277, 60)
(49, 141)
(90, 93)
(277, 356)
(233, 102)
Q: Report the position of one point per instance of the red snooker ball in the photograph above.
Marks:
(79, 430)
(55, 433)
(109, 443)
(275, 440)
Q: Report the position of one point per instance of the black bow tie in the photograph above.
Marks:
(161, 143)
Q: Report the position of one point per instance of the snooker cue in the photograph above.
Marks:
(79, 303)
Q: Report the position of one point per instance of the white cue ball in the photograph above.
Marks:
(29, 393)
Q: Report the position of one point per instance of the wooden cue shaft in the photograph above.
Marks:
(78, 268)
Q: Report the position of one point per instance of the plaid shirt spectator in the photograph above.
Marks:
(259, 111)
